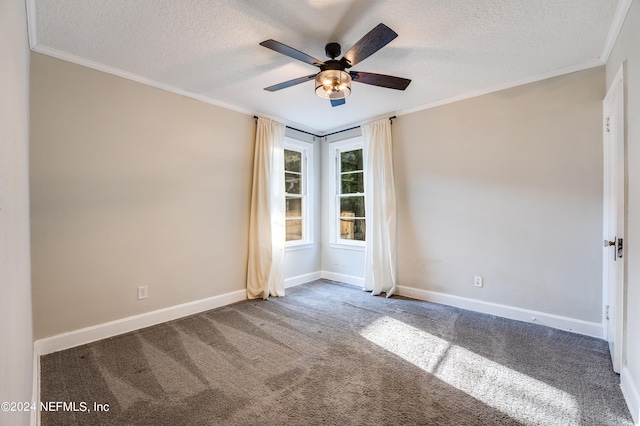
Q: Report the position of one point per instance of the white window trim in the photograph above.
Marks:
(336, 148)
(306, 149)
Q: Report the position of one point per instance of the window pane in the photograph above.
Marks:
(352, 229)
(292, 183)
(294, 207)
(292, 161)
(352, 183)
(351, 161)
(352, 206)
(294, 229)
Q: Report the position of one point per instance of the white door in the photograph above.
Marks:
(613, 219)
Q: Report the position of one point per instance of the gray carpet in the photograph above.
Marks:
(331, 354)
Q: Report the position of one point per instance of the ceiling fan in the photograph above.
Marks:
(333, 82)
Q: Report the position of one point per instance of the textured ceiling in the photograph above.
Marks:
(209, 49)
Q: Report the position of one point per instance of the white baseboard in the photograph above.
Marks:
(555, 321)
(102, 331)
(631, 395)
(125, 325)
(302, 279)
(346, 279)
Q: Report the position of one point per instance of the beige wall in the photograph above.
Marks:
(626, 52)
(15, 287)
(507, 186)
(131, 186)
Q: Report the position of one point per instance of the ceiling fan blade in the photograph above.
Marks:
(291, 52)
(337, 102)
(373, 41)
(289, 83)
(388, 81)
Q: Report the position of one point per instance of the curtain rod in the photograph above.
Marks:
(255, 117)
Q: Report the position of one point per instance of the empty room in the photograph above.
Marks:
(337, 212)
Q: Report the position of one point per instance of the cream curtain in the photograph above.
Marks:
(380, 208)
(265, 272)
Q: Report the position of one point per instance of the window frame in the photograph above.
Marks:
(306, 170)
(337, 148)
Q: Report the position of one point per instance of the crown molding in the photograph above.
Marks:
(563, 71)
(614, 29)
(32, 22)
(58, 54)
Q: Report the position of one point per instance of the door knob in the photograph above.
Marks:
(608, 243)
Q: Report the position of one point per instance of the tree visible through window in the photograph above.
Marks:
(295, 194)
(351, 196)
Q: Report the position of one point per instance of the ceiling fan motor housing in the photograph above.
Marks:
(334, 64)
(332, 50)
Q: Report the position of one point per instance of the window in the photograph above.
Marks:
(296, 165)
(350, 221)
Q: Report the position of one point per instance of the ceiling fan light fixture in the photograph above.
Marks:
(333, 84)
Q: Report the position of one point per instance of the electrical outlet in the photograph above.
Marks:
(477, 281)
(143, 292)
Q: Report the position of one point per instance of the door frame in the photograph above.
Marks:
(614, 227)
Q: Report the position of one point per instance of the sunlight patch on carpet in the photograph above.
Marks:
(515, 394)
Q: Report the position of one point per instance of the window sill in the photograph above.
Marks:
(346, 246)
(304, 246)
